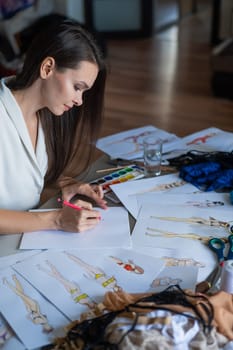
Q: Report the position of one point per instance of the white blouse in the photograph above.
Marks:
(22, 170)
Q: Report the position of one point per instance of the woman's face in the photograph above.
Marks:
(62, 90)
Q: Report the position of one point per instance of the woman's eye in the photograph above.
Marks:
(77, 88)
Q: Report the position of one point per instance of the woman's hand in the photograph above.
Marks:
(94, 192)
(72, 220)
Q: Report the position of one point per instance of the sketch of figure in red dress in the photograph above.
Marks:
(31, 305)
(201, 139)
(133, 140)
(136, 141)
(96, 274)
(71, 287)
(129, 265)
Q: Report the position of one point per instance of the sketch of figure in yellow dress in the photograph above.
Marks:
(169, 261)
(71, 287)
(165, 281)
(31, 305)
(211, 221)
(5, 332)
(128, 266)
(96, 274)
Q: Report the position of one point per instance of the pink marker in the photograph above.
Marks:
(68, 204)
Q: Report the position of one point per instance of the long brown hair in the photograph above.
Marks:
(73, 134)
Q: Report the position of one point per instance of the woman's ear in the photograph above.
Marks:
(47, 67)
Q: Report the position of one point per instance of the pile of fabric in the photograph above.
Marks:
(172, 319)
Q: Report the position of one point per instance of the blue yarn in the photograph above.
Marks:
(208, 176)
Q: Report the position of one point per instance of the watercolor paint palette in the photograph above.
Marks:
(128, 173)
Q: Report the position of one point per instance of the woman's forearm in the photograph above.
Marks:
(12, 221)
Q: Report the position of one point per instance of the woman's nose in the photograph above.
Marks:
(78, 100)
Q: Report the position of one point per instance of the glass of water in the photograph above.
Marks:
(152, 150)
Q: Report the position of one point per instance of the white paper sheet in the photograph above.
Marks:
(112, 231)
(167, 183)
(184, 276)
(211, 139)
(8, 339)
(177, 227)
(28, 311)
(9, 260)
(205, 200)
(11, 342)
(128, 144)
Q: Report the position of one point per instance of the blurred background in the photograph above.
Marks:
(170, 61)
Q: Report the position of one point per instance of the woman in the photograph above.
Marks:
(50, 114)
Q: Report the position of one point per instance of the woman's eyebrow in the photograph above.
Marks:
(83, 84)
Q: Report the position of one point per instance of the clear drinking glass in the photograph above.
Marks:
(152, 150)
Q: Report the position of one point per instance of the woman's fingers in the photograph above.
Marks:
(98, 196)
(98, 190)
(72, 220)
(95, 192)
(83, 204)
(87, 225)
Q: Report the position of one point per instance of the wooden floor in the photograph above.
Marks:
(165, 81)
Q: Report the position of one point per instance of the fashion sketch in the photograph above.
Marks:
(165, 281)
(201, 139)
(211, 221)
(96, 274)
(71, 287)
(194, 236)
(164, 187)
(169, 261)
(128, 265)
(134, 140)
(31, 305)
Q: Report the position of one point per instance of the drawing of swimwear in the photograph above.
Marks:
(137, 141)
(181, 262)
(201, 139)
(165, 281)
(134, 140)
(96, 274)
(5, 332)
(71, 287)
(34, 313)
(198, 220)
(128, 266)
